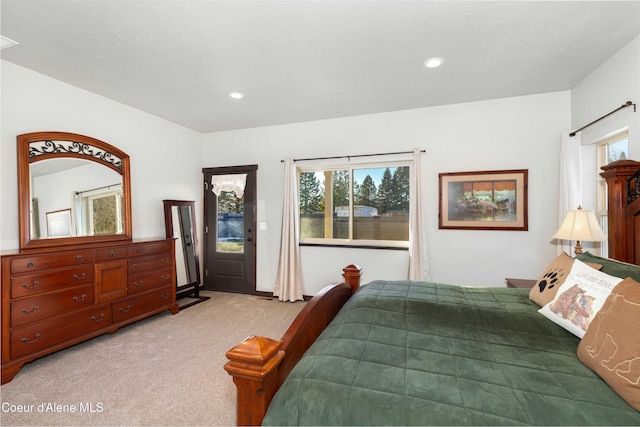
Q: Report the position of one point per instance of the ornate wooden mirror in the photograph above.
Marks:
(73, 189)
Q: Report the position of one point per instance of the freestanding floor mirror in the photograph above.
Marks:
(180, 224)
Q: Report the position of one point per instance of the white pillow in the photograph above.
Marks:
(579, 298)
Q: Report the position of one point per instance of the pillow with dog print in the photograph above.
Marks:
(579, 298)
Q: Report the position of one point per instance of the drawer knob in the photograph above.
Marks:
(138, 265)
(165, 296)
(165, 260)
(112, 254)
(82, 298)
(80, 277)
(79, 258)
(138, 284)
(97, 319)
(125, 309)
(26, 340)
(165, 277)
(30, 264)
(33, 310)
(26, 285)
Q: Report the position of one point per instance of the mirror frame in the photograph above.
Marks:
(168, 224)
(80, 147)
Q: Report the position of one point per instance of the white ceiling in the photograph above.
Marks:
(306, 60)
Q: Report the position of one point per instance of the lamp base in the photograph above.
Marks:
(578, 249)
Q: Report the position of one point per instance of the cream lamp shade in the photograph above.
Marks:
(581, 226)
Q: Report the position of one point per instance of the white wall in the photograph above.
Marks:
(511, 133)
(165, 157)
(607, 88)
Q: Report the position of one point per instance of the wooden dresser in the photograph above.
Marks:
(55, 298)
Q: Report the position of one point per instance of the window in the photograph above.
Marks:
(610, 150)
(230, 222)
(99, 211)
(229, 191)
(361, 205)
(105, 214)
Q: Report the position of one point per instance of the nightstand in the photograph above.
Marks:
(519, 283)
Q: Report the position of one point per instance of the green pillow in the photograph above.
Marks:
(612, 267)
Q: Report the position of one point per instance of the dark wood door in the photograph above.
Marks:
(229, 232)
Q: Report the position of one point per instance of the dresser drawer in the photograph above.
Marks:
(150, 262)
(35, 283)
(46, 333)
(142, 303)
(149, 280)
(149, 248)
(47, 305)
(110, 253)
(41, 262)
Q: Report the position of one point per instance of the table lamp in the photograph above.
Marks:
(581, 226)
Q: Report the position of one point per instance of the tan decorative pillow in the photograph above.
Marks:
(553, 277)
(611, 345)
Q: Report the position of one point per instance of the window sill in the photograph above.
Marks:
(354, 246)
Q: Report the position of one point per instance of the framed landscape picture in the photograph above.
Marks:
(484, 200)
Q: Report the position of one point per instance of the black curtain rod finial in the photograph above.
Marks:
(625, 105)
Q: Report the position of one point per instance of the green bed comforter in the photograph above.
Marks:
(421, 353)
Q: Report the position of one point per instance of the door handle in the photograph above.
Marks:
(249, 239)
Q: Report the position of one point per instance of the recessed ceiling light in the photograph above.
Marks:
(236, 95)
(433, 62)
(5, 42)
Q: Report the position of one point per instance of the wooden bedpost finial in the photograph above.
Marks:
(352, 274)
(254, 366)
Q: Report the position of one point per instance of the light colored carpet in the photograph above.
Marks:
(165, 370)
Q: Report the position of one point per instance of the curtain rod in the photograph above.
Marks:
(625, 105)
(357, 155)
(99, 188)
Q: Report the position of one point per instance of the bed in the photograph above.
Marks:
(423, 353)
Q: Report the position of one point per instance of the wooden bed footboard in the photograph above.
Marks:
(259, 365)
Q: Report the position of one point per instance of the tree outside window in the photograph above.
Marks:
(355, 205)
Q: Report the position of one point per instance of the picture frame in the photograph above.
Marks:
(59, 223)
(484, 200)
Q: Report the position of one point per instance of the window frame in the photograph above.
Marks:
(119, 205)
(601, 185)
(351, 242)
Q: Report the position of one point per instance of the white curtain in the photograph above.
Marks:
(570, 191)
(418, 262)
(289, 279)
(232, 183)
